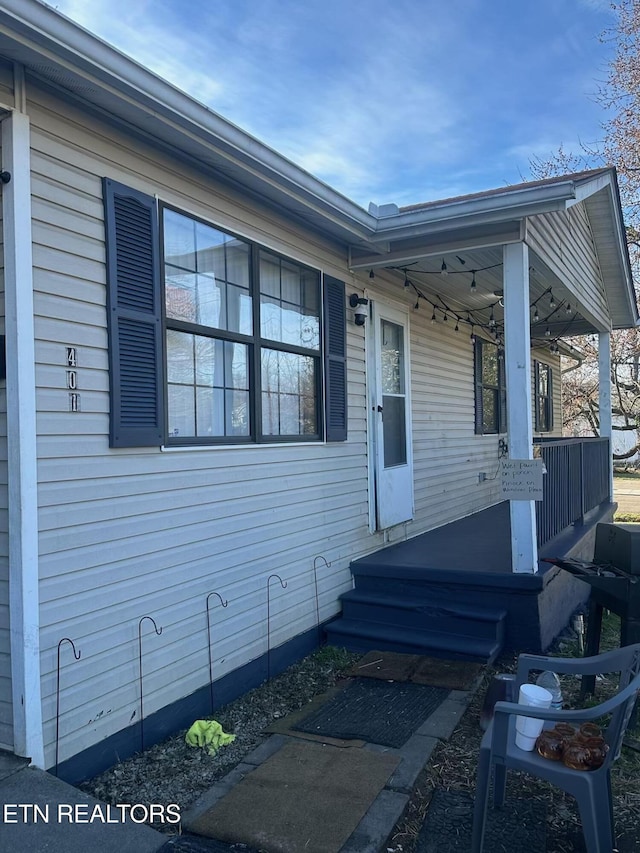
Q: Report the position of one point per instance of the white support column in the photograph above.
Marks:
(604, 397)
(524, 547)
(21, 440)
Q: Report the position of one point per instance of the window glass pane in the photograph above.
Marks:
(180, 357)
(489, 364)
(239, 317)
(392, 358)
(208, 382)
(288, 387)
(179, 240)
(206, 275)
(181, 411)
(289, 303)
(489, 410)
(237, 412)
(269, 275)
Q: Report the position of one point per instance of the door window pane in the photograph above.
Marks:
(392, 358)
(394, 430)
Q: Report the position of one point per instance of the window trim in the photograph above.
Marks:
(255, 343)
(543, 401)
(480, 386)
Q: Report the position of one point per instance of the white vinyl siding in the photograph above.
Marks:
(128, 533)
(563, 240)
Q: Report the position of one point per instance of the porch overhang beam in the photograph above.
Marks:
(465, 240)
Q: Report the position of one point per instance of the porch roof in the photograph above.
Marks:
(77, 65)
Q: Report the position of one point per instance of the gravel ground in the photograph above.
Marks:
(172, 772)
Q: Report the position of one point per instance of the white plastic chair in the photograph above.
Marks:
(591, 788)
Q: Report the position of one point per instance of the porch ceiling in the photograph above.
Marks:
(453, 292)
(580, 281)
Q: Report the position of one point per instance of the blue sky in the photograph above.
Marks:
(386, 100)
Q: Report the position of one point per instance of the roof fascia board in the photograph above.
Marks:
(490, 208)
(56, 38)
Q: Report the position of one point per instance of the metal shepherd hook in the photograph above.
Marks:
(77, 657)
(158, 632)
(224, 604)
(283, 584)
(315, 580)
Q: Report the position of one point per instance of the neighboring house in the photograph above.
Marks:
(199, 399)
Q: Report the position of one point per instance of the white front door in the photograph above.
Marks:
(391, 411)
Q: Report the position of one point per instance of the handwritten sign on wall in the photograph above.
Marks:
(522, 479)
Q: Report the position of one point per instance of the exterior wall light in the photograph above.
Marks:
(360, 307)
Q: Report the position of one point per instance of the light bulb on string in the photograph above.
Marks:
(433, 317)
(568, 308)
(536, 315)
(473, 286)
(443, 268)
(547, 332)
(372, 274)
(552, 302)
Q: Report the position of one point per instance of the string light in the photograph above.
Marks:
(407, 283)
(547, 332)
(443, 268)
(552, 301)
(457, 328)
(474, 286)
(372, 274)
(536, 315)
(433, 316)
(568, 308)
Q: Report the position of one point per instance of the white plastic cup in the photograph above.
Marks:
(528, 728)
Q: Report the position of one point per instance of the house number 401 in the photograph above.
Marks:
(72, 379)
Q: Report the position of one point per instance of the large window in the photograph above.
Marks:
(543, 397)
(213, 338)
(239, 365)
(490, 388)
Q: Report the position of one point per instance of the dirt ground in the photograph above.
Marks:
(626, 493)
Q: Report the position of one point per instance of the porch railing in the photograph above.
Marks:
(576, 481)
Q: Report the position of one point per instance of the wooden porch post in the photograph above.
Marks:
(604, 397)
(524, 546)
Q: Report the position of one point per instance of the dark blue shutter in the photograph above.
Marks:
(477, 380)
(134, 310)
(335, 359)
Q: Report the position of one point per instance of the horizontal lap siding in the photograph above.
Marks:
(448, 456)
(127, 533)
(564, 241)
(6, 714)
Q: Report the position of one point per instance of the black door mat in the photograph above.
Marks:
(198, 844)
(376, 711)
(518, 827)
